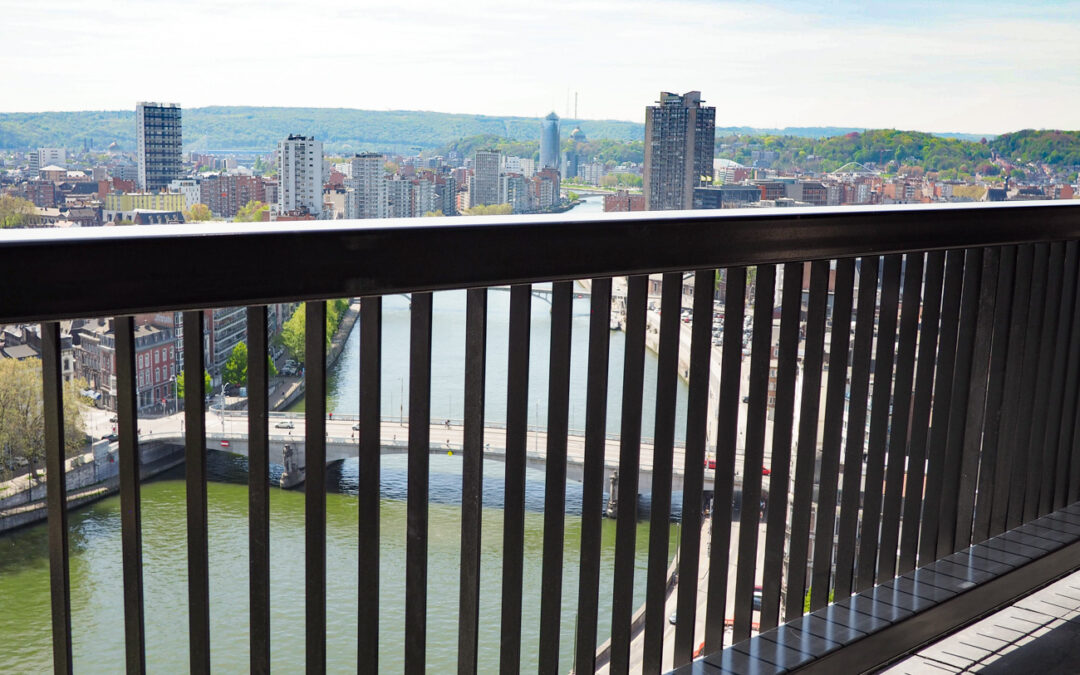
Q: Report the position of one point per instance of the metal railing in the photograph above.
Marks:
(954, 330)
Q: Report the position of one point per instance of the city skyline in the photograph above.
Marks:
(968, 67)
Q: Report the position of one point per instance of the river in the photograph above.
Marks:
(96, 568)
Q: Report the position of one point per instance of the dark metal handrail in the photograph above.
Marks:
(110, 271)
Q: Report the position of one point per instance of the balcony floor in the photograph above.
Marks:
(1039, 634)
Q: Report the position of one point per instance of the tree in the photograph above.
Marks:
(292, 334)
(235, 369)
(437, 213)
(252, 212)
(16, 211)
(489, 210)
(198, 213)
(180, 384)
(22, 423)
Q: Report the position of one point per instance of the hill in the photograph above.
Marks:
(342, 130)
(251, 129)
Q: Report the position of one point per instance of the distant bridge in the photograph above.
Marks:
(343, 443)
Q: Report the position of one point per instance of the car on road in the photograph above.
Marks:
(110, 437)
(356, 427)
(284, 424)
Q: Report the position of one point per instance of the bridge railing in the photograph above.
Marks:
(910, 382)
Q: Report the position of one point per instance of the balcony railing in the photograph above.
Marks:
(951, 334)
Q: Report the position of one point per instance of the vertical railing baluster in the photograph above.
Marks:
(1006, 446)
(803, 496)
(920, 416)
(697, 409)
(370, 438)
(1040, 468)
(592, 493)
(1024, 482)
(1070, 424)
(622, 604)
(783, 432)
(555, 475)
(1061, 434)
(978, 383)
(195, 477)
(877, 443)
(472, 478)
(1057, 469)
(868, 269)
(258, 477)
(667, 382)
(995, 390)
(562, 305)
(56, 495)
(750, 513)
(130, 501)
(727, 429)
(517, 413)
(910, 309)
(948, 505)
(832, 433)
(416, 538)
(315, 483)
(943, 388)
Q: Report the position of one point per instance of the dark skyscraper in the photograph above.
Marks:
(549, 142)
(159, 144)
(680, 135)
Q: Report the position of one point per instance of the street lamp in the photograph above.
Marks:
(175, 396)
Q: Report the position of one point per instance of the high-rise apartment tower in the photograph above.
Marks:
(487, 168)
(549, 142)
(159, 144)
(680, 135)
(300, 171)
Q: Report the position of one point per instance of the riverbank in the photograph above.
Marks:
(89, 477)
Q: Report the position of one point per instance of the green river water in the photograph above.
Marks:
(97, 592)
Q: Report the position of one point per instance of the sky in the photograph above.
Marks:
(957, 66)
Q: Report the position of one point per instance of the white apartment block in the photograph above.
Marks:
(189, 187)
(367, 178)
(300, 172)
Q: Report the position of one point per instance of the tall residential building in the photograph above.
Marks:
(366, 173)
(679, 139)
(300, 172)
(549, 142)
(485, 187)
(159, 144)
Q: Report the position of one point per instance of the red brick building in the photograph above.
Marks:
(623, 201)
(225, 194)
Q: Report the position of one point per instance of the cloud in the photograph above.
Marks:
(986, 66)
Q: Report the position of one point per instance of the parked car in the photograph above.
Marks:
(356, 427)
(284, 424)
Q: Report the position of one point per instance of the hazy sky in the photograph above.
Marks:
(936, 66)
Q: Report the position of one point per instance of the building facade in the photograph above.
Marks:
(680, 135)
(159, 144)
(485, 187)
(300, 175)
(549, 142)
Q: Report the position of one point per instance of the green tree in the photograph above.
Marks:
(16, 211)
(489, 210)
(292, 334)
(252, 212)
(198, 213)
(180, 384)
(22, 423)
(235, 369)
(437, 213)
